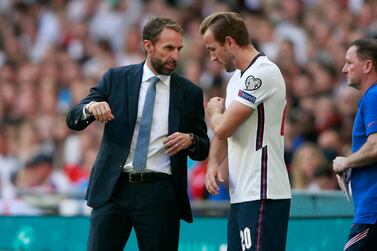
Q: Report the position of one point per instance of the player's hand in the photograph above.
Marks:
(339, 164)
(101, 111)
(177, 142)
(215, 105)
(213, 177)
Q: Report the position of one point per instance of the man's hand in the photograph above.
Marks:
(213, 177)
(177, 142)
(101, 111)
(215, 105)
(339, 165)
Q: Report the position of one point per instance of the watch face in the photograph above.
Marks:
(193, 139)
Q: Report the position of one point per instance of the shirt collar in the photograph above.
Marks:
(147, 74)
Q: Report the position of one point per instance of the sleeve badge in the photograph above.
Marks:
(252, 83)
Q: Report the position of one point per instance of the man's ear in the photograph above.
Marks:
(148, 45)
(229, 41)
(368, 66)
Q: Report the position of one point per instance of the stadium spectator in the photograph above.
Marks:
(324, 179)
(305, 162)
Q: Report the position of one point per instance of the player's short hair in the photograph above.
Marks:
(366, 48)
(223, 24)
(155, 25)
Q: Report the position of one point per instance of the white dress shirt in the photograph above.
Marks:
(157, 160)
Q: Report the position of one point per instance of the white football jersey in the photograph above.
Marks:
(256, 149)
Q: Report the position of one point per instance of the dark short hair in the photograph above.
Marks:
(155, 25)
(39, 159)
(366, 48)
(223, 24)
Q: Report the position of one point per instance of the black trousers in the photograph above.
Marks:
(150, 207)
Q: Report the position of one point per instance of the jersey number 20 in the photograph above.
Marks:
(245, 239)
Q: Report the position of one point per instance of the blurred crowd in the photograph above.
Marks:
(53, 51)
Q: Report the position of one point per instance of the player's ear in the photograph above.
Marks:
(229, 41)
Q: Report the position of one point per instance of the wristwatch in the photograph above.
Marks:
(194, 141)
(86, 108)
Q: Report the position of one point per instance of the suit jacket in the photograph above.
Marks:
(120, 88)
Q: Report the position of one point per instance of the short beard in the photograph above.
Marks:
(158, 65)
(229, 65)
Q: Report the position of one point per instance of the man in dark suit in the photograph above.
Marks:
(125, 189)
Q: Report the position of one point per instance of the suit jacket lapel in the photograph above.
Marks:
(134, 82)
(176, 95)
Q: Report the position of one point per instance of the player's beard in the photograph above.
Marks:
(164, 67)
(229, 63)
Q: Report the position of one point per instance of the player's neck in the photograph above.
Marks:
(368, 82)
(245, 56)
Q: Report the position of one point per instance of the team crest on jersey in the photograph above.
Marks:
(252, 83)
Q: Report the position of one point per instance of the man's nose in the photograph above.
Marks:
(175, 55)
(344, 69)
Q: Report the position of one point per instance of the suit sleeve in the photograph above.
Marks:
(98, 93)
(200, 151)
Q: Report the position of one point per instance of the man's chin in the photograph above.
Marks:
(353, 85)
(168, 70)
(230, 69)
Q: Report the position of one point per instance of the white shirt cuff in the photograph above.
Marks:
(84, 114)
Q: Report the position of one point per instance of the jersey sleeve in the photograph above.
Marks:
(254, 88)
(370, 115)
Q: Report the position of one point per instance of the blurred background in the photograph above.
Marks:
(53, 51)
